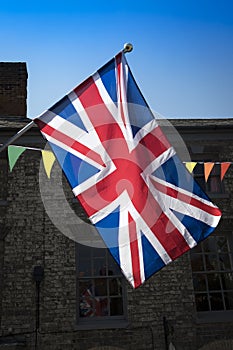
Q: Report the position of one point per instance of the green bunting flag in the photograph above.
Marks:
(14, 153)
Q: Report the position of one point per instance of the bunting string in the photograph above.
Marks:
(15, 151)
(208, 166)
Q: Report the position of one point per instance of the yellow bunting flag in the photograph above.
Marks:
(190, 166)
(207, 170)
(13, 154)
(48, 160)
(224, 168)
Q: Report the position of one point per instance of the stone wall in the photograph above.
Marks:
(42, 315)
(33, 240)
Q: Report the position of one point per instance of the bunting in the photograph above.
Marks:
(224, 168)
(190, 166)
(14, 152)
(48, 160)
(207, 170)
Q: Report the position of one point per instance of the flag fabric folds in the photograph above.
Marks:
(135, 190)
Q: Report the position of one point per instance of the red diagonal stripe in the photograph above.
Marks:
(164, 230)
(99, 115)
(68, 141)
(155, 142)
(134, 252)
(170, 237)
(185, 198)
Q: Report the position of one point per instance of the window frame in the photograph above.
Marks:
(100, 322)
(212, 316)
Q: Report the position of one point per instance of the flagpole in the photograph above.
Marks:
(127, 48)
(17, 135)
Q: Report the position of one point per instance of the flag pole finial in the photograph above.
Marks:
(128, 47)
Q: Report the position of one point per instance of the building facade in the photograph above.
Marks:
(60, 289)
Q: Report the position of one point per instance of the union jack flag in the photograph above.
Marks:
(121, 167)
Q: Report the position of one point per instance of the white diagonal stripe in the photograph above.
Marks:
(157, 162)
(126, 206)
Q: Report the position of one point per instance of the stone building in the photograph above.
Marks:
(46, 301)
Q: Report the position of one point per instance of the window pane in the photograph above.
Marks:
(84, 252)
(213, 281)
(101, 287)
(221, 243)
(113, 268)
(211, 261)
(91, 301)
(101, 307)
(85, 268)
(224, 261)
(214, 184)
(216, 301)
(202, 302)
(199, 282)
(99, 252)
(86, 299)
(209, 244)
(99, 266)
(197, 262)
(227, 280)
(116, 306)
(115, 287)
(197, 249)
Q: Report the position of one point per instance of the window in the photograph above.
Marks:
(212, 270)
(100, 288)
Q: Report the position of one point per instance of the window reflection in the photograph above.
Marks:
(212, 269)
(99, 284)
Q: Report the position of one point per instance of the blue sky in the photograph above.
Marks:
(182, 58)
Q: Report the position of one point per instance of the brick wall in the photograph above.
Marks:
(13, 89)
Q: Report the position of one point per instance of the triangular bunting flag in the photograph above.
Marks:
(13, 154)
(190, 166)
(48, 160)
(207, 170)
(224, 168)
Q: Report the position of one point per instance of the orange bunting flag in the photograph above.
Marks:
(224, 168)
(207, 170)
